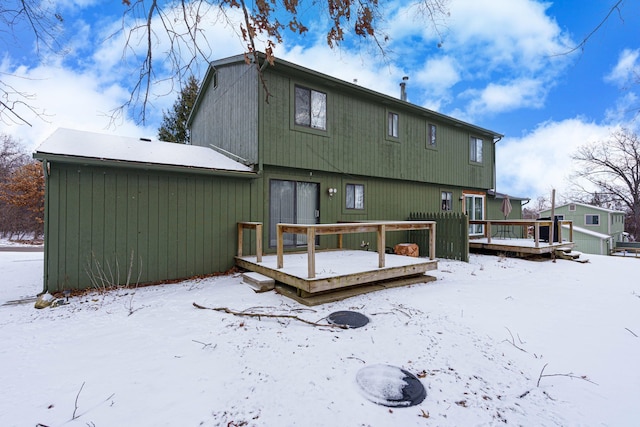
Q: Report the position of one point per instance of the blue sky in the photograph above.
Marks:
(502, 65)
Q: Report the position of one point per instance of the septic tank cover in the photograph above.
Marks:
(390, 386)
(349, 319)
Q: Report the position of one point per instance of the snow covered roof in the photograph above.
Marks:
(598, 208)
(88, 145)
(588, 232)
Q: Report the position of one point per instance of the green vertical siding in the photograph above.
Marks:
(175, 225)
(385, 199)
(355, 140)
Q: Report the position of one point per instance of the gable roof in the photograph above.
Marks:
(75, 146)
(597, 208)
(340, 85)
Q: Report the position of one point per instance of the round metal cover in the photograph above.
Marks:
(390, 386)
(349, 319)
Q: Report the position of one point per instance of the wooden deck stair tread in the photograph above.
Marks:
(259, 282)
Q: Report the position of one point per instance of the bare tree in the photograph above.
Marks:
(612, 167)
(166, 40)
(44, 23)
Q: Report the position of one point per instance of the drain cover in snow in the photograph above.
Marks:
(390, 386)
(350, 319)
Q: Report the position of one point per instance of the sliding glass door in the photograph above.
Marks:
(292, 202)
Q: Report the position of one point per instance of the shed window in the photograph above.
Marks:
(392, 124)
(475, 149)
(355, 196)
(432, 136)
(311, 108)
(592, 219)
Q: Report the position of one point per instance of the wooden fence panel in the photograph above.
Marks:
(452, 234)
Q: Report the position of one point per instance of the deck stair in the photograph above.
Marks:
(259, 282)
(569, 254)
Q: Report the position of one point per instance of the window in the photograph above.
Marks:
(355, 196)
(392, 124)
(432, 136)
(572, 207)
(592, 219)
(311, 108)
(475, 149)
(447, 196)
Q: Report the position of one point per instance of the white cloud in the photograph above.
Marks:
(626, 69)
(498, 98)
(80, 91)
(539, 161)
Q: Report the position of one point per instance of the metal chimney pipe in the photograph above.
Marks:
(403, 88)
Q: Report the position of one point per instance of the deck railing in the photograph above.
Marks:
(536, 224)
(380, 228)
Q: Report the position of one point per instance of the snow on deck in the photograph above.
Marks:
(335, 263)
(76, 143)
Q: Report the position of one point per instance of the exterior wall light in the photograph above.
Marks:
(332, 191)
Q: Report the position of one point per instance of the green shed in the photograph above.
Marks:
(124, 210)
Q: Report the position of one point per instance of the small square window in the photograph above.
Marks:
(432, 136)
(392, 125)
(355, 196)
(447, 196)
(572, 207)
(475, 149)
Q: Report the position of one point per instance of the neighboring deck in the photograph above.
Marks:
(503, 236)
(317, 272)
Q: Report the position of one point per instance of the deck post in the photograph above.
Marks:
(311, 252)
(240, 230)
(279, 246)
(432, 242)
(559, 232)
(381, 244)
(571, 232)
(259, 242)
(488, 231)
(536, 234)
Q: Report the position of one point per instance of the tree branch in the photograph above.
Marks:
(267, 315)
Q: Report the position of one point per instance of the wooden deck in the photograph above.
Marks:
(314, 272)
(497, 240)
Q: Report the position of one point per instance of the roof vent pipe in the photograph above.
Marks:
(403, 88)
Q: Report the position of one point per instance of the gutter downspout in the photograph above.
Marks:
(495, 178)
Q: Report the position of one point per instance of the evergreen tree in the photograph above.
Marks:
(174, 122)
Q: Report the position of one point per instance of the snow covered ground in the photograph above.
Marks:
(478, 338)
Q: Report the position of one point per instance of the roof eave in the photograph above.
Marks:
(91, 161)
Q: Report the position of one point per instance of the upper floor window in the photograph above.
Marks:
(393, 122)
(572, 207)
(592, 219)
(355, 196)
(432, 136)
(475, 149)
(447, 196)
(311, 108)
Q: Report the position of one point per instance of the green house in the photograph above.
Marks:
(327, 150)
(595, 229)
(302, 148)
